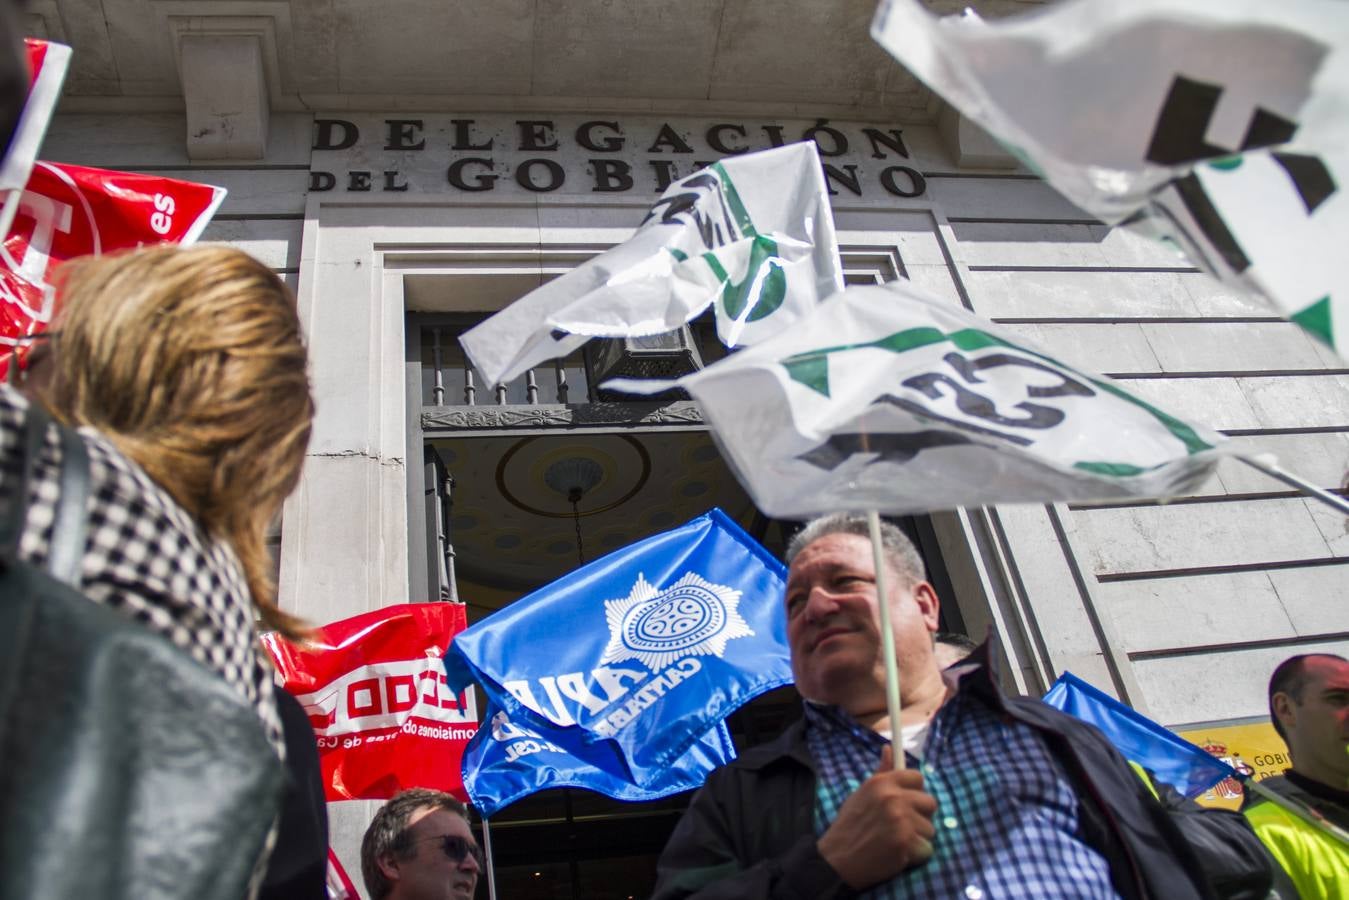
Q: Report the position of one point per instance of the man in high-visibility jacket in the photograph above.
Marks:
(1308, 833)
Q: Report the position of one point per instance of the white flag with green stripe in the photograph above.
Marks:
(753, 234)
(886, 398)
(1222, 126)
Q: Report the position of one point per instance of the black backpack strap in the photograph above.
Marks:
(70, 526)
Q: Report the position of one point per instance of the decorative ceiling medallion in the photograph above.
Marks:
(522, 475)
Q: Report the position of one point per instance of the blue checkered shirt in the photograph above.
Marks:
(1006, 820)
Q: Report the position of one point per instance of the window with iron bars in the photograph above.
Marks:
(448, 379)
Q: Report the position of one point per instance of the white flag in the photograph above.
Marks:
(1223, 126)
(886, 398)
(752, 233)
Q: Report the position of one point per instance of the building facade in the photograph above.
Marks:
(411, 167)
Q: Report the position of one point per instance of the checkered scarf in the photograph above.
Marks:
(146, 557)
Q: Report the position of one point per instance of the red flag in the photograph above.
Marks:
(47, 64)
(69, 211)
(374, 688)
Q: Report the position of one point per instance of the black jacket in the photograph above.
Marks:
(298, 867)
(749, 832)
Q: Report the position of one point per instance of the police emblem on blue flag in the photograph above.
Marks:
(507, 760)
(641, 652)
(1169, 757)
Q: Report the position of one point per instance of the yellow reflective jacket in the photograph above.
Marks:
(1315, 860)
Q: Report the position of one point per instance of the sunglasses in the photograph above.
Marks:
(457, 848)
(38, 348)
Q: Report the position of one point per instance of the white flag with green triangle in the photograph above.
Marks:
(1222, 126)
(752, 234)
(884, 397)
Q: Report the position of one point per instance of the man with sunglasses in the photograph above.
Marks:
(420, 847)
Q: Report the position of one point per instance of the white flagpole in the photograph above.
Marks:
(491, 866)
(8, 211)
(887, 641)
(1265, 464)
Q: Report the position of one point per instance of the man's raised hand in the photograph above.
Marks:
(883, 828)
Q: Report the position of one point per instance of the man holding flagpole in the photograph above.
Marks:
(1002, 796)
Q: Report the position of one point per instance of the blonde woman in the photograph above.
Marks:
(184, 371)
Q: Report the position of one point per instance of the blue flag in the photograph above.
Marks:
(507, 760)
(642, 651)
(1169, 757)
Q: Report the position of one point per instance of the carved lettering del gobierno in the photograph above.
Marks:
(474, 161)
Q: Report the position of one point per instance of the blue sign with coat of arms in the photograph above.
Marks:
(642, 652)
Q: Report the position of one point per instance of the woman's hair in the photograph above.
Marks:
(192, 363)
